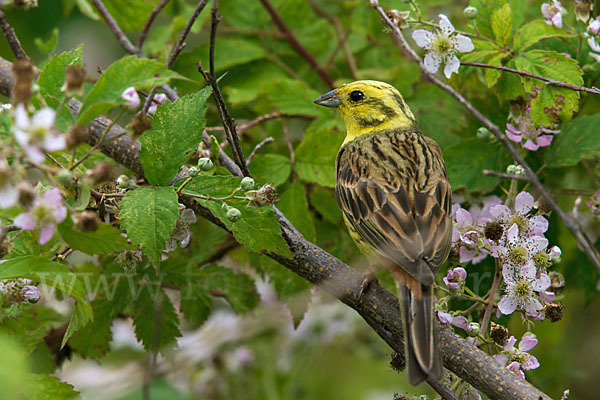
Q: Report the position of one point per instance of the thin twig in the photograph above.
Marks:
(489, 172)
(260, 120)
(490, 306)
(341, 35)
(548, 81)
(290, 146)
(185, 32)
(149, 100)
(99, 195)
(257, 148)
(11, 38)
(99, 143)
(153, 15)
(296, 44)
(116, 29)
(583, 240)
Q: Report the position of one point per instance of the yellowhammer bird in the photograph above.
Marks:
(396, 199)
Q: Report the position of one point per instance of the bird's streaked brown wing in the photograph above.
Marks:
(407, 221)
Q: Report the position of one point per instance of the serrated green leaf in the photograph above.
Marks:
(46, 387)
(230, 52)
(257, 230)
(324, 201)
(294, 206)
(492, 75)
(140, 73)
(578, 140)
(480, 156)
(175, 134)
(155, 320)
(293, 97)
(131, 15)
(532, 32)
(196, 302)
(149, 215)
(271, 168)
(486, 9)
(52, 77)
(502, 24)
(550, 104)
(86, 8)
(104, 240)
(56, 275)
(47, 46)
(315, 156)
(13, 368)
(239, 288)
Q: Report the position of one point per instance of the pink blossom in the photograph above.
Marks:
(132, 98)
(45, 214)
(553, 13)
(535, 225)
(458, 321)
(594, 26)
(455, 278)
(534, 138)
(156, 101)
(37, 134)
(521, 288)
(517, 358)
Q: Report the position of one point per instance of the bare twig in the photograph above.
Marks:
(151, 18)
(582, 238)
(489, 172)
(548, 81)
(99, 195)
(185, 32)
(257, 148)
(116, 29)
(11, 38)
(296, 44)
(341, 35)
(260, 120)
(491, 301)
(288, 142)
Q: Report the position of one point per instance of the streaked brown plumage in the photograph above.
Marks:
(396, 199)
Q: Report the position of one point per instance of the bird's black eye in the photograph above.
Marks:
(356, 95)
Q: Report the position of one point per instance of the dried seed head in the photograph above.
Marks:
(493, 230)
(554, 311)
(140, 123)
(75, 136)
(498, 333)
(23, 74)
(397, 363)
(102, 172)
(74, 78)
(26, 195)
(86, 222)
(544, 205)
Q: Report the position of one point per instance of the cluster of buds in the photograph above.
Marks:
(15, 291)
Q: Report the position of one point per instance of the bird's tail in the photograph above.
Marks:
(423, 358)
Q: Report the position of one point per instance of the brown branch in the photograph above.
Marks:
(583, 240)
(183, 35)
(260, 120)
(548, 81)
(151, 18)
(296, 44)
(11, 38)
(116, 29)
(257, 148)
(489, 172)
(378, 307)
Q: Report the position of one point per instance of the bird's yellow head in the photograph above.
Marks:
(367, 106)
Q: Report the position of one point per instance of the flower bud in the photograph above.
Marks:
(247, 183)
(530, 334)
(233, 214)
(64, 177)
(193, 172)
(511, 169)
(557, 281)
(498, 333)
(123, 181)
(205, 164)
(554, 311)
(86, 222)
(484, 133)
(30, 293)
(473, 329)
(102, 172)
(75, 136)
(470, 12)
(139, 124)
(519, 170)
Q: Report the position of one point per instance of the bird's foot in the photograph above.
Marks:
(368, 278)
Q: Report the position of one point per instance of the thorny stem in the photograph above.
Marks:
(11, 38)
(257, 148)
(581, 237)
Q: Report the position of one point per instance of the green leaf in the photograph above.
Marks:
(13, 368)
(131, 15)
(492, 75)
(52, 77)
(176, 132)
(56, 275)
(149, 215)
(294, 206)
(257, 230)
(140, 73)
(84, 194)
(486, 10)
(154, 317)
(324, 201)
(550, 104)
(271, 168)
(239, 289)
(578, 140)
(104, 240)
(315, 156)
(479, 154)
(230, 52)
(532, 32)
(501, 24)
(293, 97)
(47, 46)
(196, 302)
(46, 387)
(86, 8)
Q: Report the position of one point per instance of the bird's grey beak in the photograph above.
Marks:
(329, 99)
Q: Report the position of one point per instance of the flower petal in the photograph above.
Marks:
(463, 217)
(501, 358)
(432, 62)
(513, 234)
(422, 38)
(507, 305)
(46, 233)
(517, 138)
(452, 65)
(446, 25)
(54, 142)
(59, 214)
(500, 211)
(547, 296)
(544, 140)
(34, 154)
(527, 343)
(510, 344)
(460, 322)
(542, 283)
(465, 254)
(530, 145)
(532, 306)
(53, 198)
(8, 196)
(523, 203)
(444, 317)
(22, 118)
(530, 362)
(25, 221)
(538, 225)
(464, 43)
(527, 272)
(44, 118)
